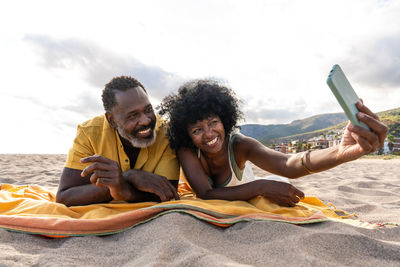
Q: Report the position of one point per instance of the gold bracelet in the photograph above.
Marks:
(304, 164)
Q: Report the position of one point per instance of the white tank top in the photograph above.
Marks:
(242, 176)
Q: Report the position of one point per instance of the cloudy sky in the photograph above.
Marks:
(56, 56)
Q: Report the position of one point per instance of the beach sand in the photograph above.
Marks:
(369, 188)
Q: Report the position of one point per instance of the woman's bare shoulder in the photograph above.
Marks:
(243, 140)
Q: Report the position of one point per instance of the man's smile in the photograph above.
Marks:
(144, 133)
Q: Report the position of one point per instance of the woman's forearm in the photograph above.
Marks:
(281, 193)
(306, 162)
(239, 192)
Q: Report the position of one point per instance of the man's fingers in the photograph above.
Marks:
(158, 189)
(162, 196)
(104, 182)
(165, 192)
(173, 190)
(93, 167)
(96, 158)
(159, 186)
(100, 174)
(93, 178)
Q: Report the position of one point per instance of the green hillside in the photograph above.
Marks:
(313, 126)
(272, 131)
(390, 117)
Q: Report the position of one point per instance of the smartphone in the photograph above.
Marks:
(345, 94)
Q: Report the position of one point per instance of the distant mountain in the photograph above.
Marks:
(272, 131)
(313, 126)
(392, 119)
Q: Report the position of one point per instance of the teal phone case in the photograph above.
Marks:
(345, 94)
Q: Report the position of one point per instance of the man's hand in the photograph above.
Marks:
(152, 183)
(357, 141)
(283, 194)
(106, 172)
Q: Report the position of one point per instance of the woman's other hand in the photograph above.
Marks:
(283, 194)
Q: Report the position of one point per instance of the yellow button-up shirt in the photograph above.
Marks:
(96, 136)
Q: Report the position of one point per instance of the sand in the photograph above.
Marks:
(367, 187)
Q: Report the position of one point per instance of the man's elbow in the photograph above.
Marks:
(63, 199)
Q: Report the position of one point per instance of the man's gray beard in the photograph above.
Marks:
(136, 142)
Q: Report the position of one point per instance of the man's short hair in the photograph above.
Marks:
(121, 83)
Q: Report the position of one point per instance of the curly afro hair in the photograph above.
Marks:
(121, 83)
(196, 101)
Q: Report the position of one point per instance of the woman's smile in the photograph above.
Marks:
(212, 142)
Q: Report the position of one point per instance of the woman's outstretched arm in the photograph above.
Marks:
(356, 142)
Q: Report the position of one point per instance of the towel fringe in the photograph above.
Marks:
(346, 214)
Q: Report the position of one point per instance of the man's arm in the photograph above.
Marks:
(106, 172)
(74, 190)
(152, 183)
(103, 181)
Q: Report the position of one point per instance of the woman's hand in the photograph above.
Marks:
(283, 194)
(357, 141)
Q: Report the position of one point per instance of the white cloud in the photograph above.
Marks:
(98, 66)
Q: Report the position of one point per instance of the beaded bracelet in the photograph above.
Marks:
(304, 164)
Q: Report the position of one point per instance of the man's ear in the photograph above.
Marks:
(110, 119)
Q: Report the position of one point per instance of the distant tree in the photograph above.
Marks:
(391, 139)
(390, 146)
(299, 146)
(304, 147)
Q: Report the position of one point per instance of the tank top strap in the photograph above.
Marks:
(232, 162)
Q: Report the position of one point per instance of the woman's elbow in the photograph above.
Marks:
(293, 176)
(204, 195)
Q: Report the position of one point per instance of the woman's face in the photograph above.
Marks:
(208, 134)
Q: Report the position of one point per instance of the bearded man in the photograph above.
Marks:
(123, 154)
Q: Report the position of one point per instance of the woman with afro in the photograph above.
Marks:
(203, 117)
